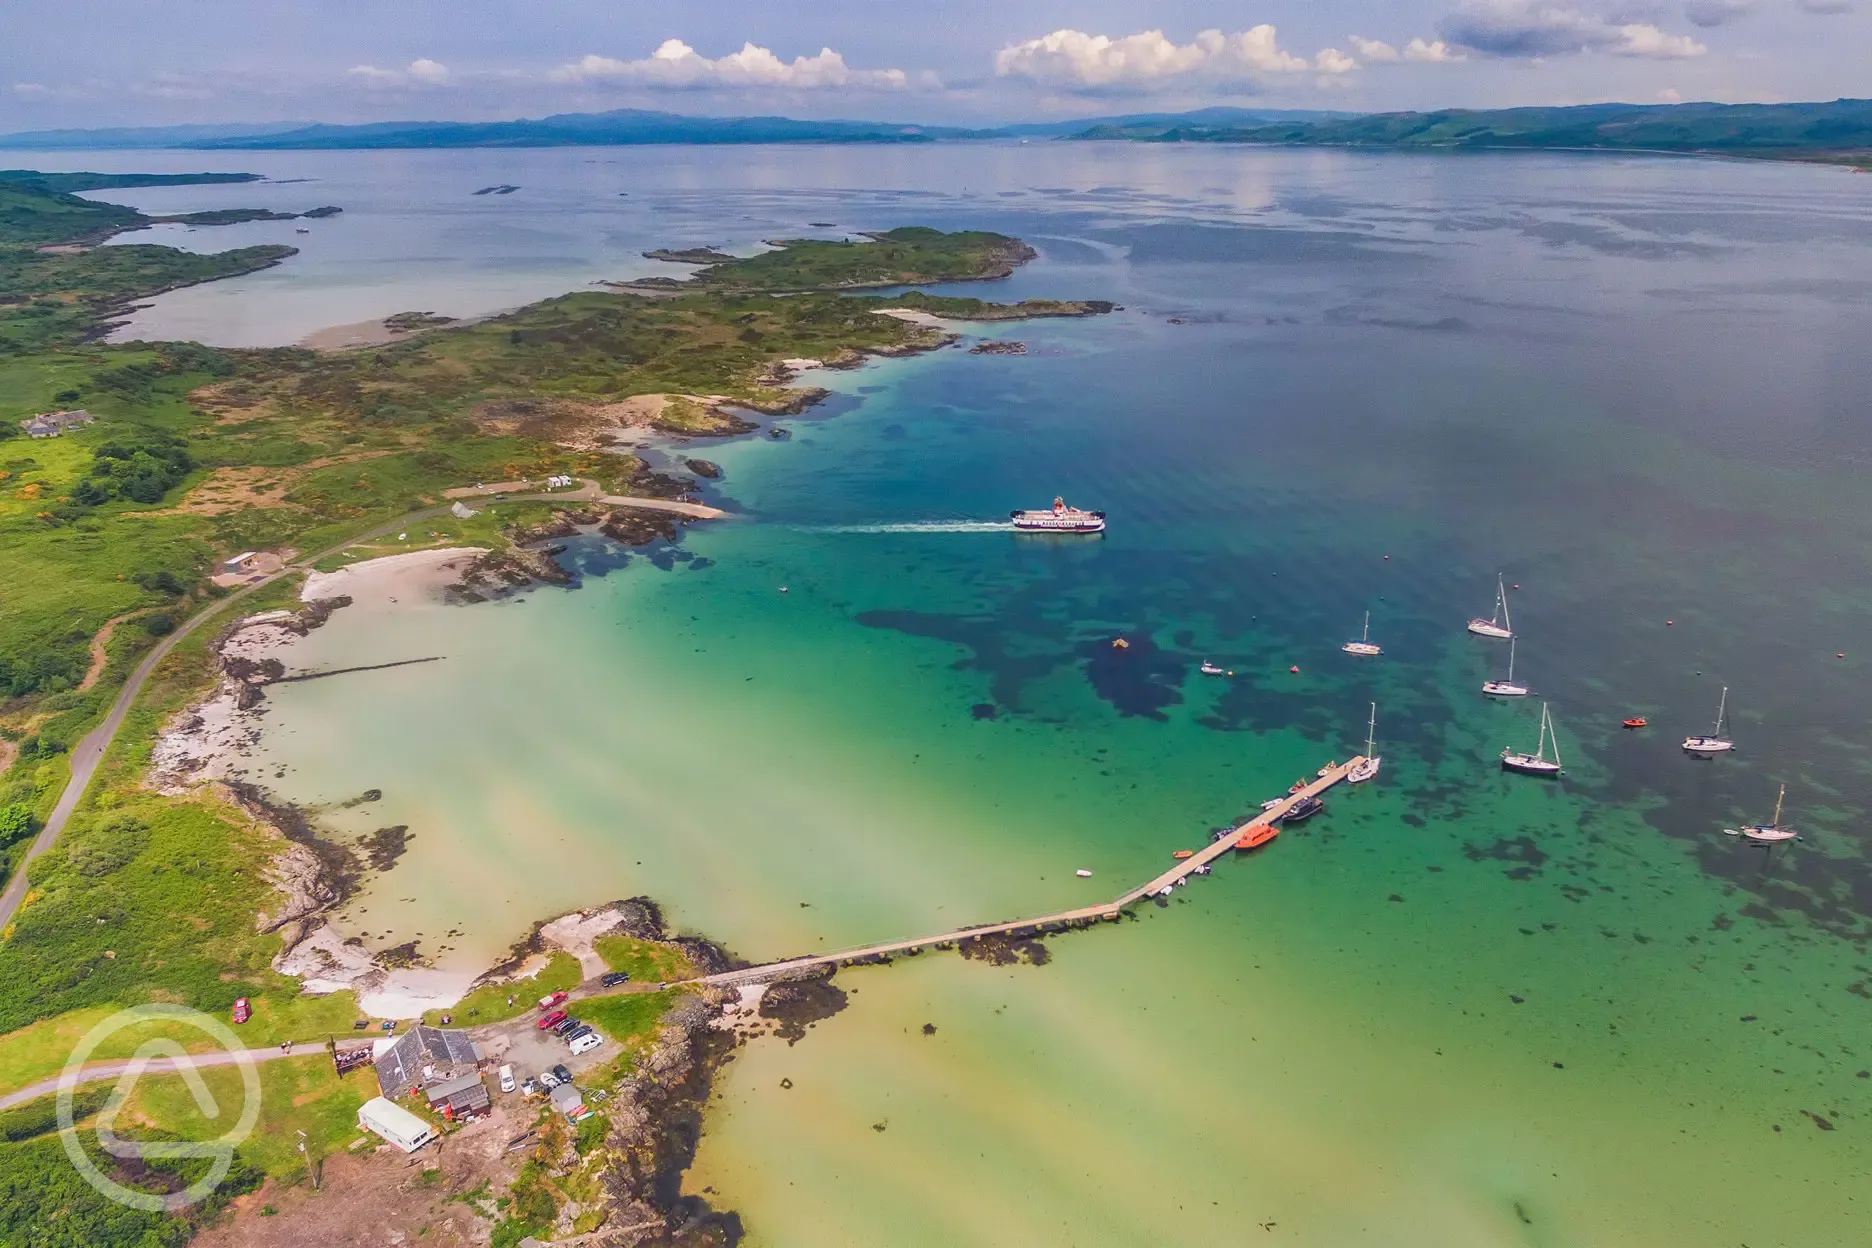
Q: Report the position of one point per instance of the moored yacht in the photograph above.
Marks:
(1537, 763)
(1363, 647)
(1771, 832)
(1498, 625)
(1506, 688)
(1059, 518)
(1712, 742)
(1367, 766)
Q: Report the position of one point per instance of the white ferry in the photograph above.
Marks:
(1059, 519)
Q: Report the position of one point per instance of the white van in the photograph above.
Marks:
(507, 1079)
(586, 1043)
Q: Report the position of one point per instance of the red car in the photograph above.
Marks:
(242, 1010)
(551, 1020)
(547, 1002)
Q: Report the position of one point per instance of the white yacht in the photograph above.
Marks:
(1537, 763)
(1506, 688)
(1714, 742)
(1771, 832)
(1363, 647)
(1366, 767)
(1498, 625)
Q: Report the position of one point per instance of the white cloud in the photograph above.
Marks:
(1333, 61)
(1670, 95)
(1534, 28)
(31, 88)
(1075, 59)
(1431, 52)
(420, 72)
(1375, 51)
(675, 64)
(1428, 52)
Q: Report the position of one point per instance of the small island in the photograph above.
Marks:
(688, 255)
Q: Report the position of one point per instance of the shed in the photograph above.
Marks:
(463, 1095)
(239, 562)
(566, 1099)
(424, 1055)
(394, 1123)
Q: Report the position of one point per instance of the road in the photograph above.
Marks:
(89, 752)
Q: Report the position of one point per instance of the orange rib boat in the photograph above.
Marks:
(1181, 854)
(1637, 721)
(1258, 836)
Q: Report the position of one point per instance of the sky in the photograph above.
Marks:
(75, 63)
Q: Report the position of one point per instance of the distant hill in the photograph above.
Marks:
(1839, 131)
(137, 136)
(625, 126)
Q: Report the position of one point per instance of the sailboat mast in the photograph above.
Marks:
(1722, 708)
(1511, 642)
(1501, 597)
(1366, 635)
(1778, 800)
(1552, 732)
(1371, 732)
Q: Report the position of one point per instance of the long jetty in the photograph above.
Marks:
(1224, 843)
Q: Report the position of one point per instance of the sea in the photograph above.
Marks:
(1458, 1009)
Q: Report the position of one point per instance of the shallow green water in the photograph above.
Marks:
(1459, 1008)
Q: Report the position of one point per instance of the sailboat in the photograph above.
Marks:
(1770, 832)
(1714, 742)
(1537, 763)
(1497, 625)
(1363, 646)
(1506, 688)
(1366, 767)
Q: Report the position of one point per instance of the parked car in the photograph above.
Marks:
(507, 1079)
(580, 1030)
(551, 1020)
(565, 1026)
(530, 1086)
(243, 1010)
(615, 978)
(550, 1080)
(551, 999)
(562, 1074)
(585, 1042)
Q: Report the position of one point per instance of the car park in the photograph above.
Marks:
(507, 1079)
(551, 1020)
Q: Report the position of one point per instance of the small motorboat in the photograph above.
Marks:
(1121, 644)
(1083, 874)
(1303, 810)
(1327, 770)
(1272, 802)
(1210, 669)
(1181, 854)
(1637, 721)
(1296, 786)
(1257, 836)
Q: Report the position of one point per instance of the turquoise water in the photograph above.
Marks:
(1460, 1007)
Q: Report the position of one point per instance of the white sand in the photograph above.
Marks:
(915, 317)
(377, 582)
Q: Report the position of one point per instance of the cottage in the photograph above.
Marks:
(421, 1056)
(394, 1123)
(52, 424)
(240, 562)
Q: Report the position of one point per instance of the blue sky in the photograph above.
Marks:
(128, 62)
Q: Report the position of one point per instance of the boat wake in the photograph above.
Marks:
(914, 526)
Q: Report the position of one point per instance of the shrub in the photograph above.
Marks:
(160, 624)
(16, 823)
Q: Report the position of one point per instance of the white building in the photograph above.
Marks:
(394, 1123)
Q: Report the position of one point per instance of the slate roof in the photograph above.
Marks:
(446, 1052)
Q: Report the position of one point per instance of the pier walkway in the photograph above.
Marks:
(1080, 917)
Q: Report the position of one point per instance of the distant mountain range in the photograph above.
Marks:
(1839, 131)
(623, 126)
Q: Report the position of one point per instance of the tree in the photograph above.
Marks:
(16, 823)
